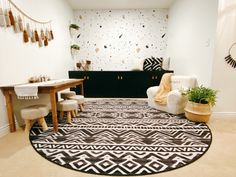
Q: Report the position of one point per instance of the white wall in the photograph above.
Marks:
(19, 61)
(118, 39)
(191, 34)
(223, 75)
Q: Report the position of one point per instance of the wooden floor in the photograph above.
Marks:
(18, 158)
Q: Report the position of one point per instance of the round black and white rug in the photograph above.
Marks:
(123, 137)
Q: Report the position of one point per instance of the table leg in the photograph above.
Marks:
(10, 112)
(54, 110)
(56, 95)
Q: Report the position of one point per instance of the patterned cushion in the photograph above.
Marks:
(147, 65)
(152, 64)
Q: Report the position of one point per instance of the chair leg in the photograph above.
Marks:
(43, 123)
(27, 125)
(76, 112)
(61, 115)
(69, 117)
(81, 107)
(73, 113)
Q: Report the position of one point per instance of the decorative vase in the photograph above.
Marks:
(87, 65)
(197, 112)
(79, 66)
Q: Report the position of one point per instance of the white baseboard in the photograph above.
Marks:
(224, 114)
(4, 130)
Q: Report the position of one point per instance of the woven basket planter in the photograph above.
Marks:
(197, 112)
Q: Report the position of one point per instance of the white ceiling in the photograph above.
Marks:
(119, 4)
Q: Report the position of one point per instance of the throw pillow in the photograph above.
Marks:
(166, 63)
(152, 64)
(138, 65)
(147, 64)
(157, 64)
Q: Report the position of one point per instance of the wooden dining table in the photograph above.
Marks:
(50, 88)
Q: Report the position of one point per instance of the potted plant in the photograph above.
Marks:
(74, 49)
(74, 26)
(75, 46)
(88, 62)
(200, 102)
(73, 29)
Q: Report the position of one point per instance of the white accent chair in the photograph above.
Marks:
(175, 101)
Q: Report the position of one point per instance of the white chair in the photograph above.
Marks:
(176, 102)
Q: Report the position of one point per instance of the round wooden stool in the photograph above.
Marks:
(35, 112)
(68, 106)
(66, 95)
(80, 101)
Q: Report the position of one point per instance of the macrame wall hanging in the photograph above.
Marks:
(229, 59)
(31, 29)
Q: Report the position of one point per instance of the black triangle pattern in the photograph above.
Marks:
(152, 64)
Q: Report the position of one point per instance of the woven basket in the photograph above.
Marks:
(197, 112)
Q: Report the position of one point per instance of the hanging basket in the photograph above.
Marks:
(73, 29)
(74, 51)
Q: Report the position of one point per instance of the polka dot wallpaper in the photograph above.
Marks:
(115, 40)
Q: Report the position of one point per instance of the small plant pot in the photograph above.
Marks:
(79, 65)
(73, 32)
(74, 51)
(88, 62)
(197, 112)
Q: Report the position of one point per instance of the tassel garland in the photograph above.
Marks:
(36, 35)
(48, 34)
(46, 41)
(32, 30)
(25, 36)
(33, 40)
(40, 42)
(2, 18)
(11, 17)
(51, 33)
(20, 23)
(7, 19)
(42, 34)
(28, 30)
(16, 26)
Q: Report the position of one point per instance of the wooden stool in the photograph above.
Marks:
(35, 112)
(80, 101)
(69, 106)
(66, 95)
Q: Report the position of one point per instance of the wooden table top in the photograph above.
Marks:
(47, 84)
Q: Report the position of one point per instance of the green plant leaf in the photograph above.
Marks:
(74, 26)
(201, 95)
(75, 46)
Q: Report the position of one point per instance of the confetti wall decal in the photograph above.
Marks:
(117, 39)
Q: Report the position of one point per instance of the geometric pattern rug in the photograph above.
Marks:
(122, 137)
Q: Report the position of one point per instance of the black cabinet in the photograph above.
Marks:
(119, 84)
